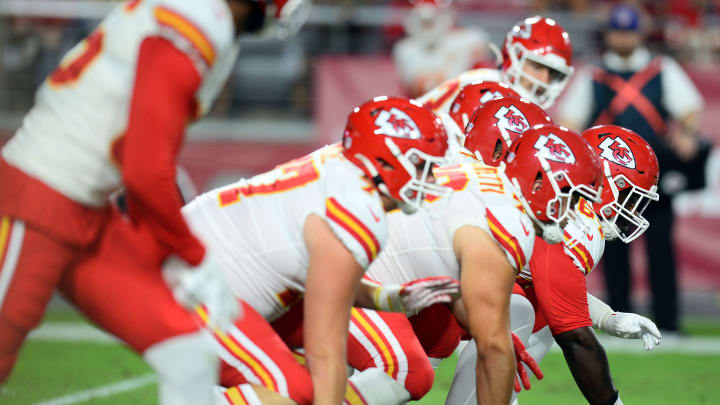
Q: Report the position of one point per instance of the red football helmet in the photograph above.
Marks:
(497, 124)
(542, 41)
(474, 95)
(550, 166)
(631, 171)
(396, 142)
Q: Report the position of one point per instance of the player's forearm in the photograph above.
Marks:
(495, 371)
(162, 102)
(326, 359)
(329, 379)
(588, 364)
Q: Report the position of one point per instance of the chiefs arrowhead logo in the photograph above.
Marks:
(512, 119)
(551, 147)
(397, 123)
(617, 151)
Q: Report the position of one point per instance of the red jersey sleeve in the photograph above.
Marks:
(559, 287)
(163, 101)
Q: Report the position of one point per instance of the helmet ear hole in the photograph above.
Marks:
(385, 165)
(497, 152)
(538, 183)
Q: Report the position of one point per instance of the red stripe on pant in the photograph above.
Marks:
(420, 374)
(259, 331)
(378, 339)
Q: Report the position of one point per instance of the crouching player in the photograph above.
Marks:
(558, 305)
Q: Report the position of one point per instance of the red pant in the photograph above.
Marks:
(383, 340)
(42, 235)
(253, 353)
(120, 288)
(438, 330)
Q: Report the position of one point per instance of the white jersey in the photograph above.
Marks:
(421, 245)
(423, 67)
(67, 140)
(584, 241)
(254, 227)
(441, 97)
(589, 237)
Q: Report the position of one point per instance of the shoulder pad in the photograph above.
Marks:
(201, 28)
(514, 232)
(586, 235)
(357, 218)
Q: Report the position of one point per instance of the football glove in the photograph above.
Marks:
(411, 298)
(202, 286)
(632, 326)
(522, 356)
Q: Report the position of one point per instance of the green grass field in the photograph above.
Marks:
(48, 370)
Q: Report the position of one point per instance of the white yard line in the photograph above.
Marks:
(71, 332)
(103, 391)
(675, 345)
(81, 332)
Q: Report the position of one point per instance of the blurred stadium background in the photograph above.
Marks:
(286, 98)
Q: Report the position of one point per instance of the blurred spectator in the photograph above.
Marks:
(576, 6)
(434, 49)
(653, 96)
(20, 52)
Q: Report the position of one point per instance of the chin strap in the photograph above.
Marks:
(552, 233)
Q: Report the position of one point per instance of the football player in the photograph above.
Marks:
(558, 305)
(112, 113)
(536, 63)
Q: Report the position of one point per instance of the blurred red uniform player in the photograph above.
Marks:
(112, 114)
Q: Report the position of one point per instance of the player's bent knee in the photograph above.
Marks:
(302, 389)
(420, 378)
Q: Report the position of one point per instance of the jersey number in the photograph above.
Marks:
(70, 70)
(457, 179)
(285, 177)
(450, 176)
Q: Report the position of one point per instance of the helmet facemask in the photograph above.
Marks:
(541, 93)
(419, 166)
(622, 217)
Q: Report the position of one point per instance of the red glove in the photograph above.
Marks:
(522, 356)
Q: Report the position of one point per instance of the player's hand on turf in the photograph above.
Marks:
(633, 326)
(416, 295)
(522, 356)
(202, 285)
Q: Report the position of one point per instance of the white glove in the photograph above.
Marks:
(202, 285)
(632, 326)
(416, 295)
